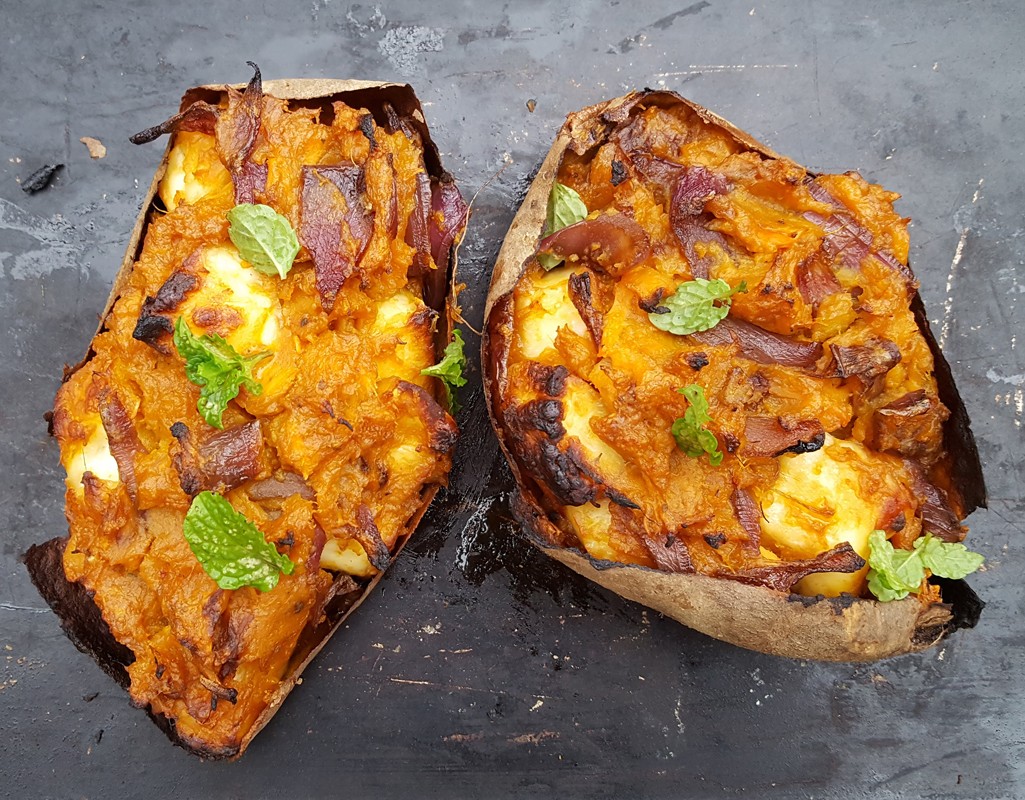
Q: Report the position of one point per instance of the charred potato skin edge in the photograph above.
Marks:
(79, 616)
(842, 629)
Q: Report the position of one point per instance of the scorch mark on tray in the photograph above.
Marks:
(662, 23)
(948, 304)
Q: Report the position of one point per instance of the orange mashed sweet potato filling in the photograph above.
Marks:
(341, 448)
(819, 382)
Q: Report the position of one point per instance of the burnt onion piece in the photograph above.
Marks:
(844, 628)
(218, 462)
(235, 128)
(772, 436)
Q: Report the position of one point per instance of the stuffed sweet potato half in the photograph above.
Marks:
(713, 379)
(258, 426)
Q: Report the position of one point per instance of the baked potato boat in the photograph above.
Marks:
(261, 419)
(713, 378)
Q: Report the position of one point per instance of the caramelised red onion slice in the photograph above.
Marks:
(418, 230)
(785, 574)
(610, 243)
(761, 345)
(692, 189)
(848, 238)
(218, 462)
(332, 196)
(772, 436)
(446, 222)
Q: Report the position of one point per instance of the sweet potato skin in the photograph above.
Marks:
(79, 615)
(755, 617)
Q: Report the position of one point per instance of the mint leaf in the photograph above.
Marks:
(697, 305)
(263, 237)
(565, 208)
(230, 548)
(216, 368)
(450, 369)
(947, 559)
(689, 430)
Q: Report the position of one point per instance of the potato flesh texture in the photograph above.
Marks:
(152, 591)
(638, 368)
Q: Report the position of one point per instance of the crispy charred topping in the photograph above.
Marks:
(818, 379)
(155, 323)
(331, 450)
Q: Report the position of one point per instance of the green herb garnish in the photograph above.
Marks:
(565, 208)
(263, 237)
(216, 368)
(450, 369)
(894, 574)
(697, 305)
(689, 430)
(230, 548)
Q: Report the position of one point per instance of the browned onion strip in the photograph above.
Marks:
(121, 437)
(609, 243)
(237, 129)
(784, 575)
(219, 462)
(772, 436)
(761, 345)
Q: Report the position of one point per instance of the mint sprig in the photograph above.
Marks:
(689, 431)
(450, 370)
(216, 368)
(894, 574)
(565, 208)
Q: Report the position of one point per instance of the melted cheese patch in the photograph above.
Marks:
(404, 348)
(193, 170)
(581, 403)
(816, 503)
(252, 295)
(592, 528)
(93, 456)
(347, 556)
(546, 308)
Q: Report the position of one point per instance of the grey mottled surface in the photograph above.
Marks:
(478, 668)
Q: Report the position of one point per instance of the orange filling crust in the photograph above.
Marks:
(819, 381)
(334, 461)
